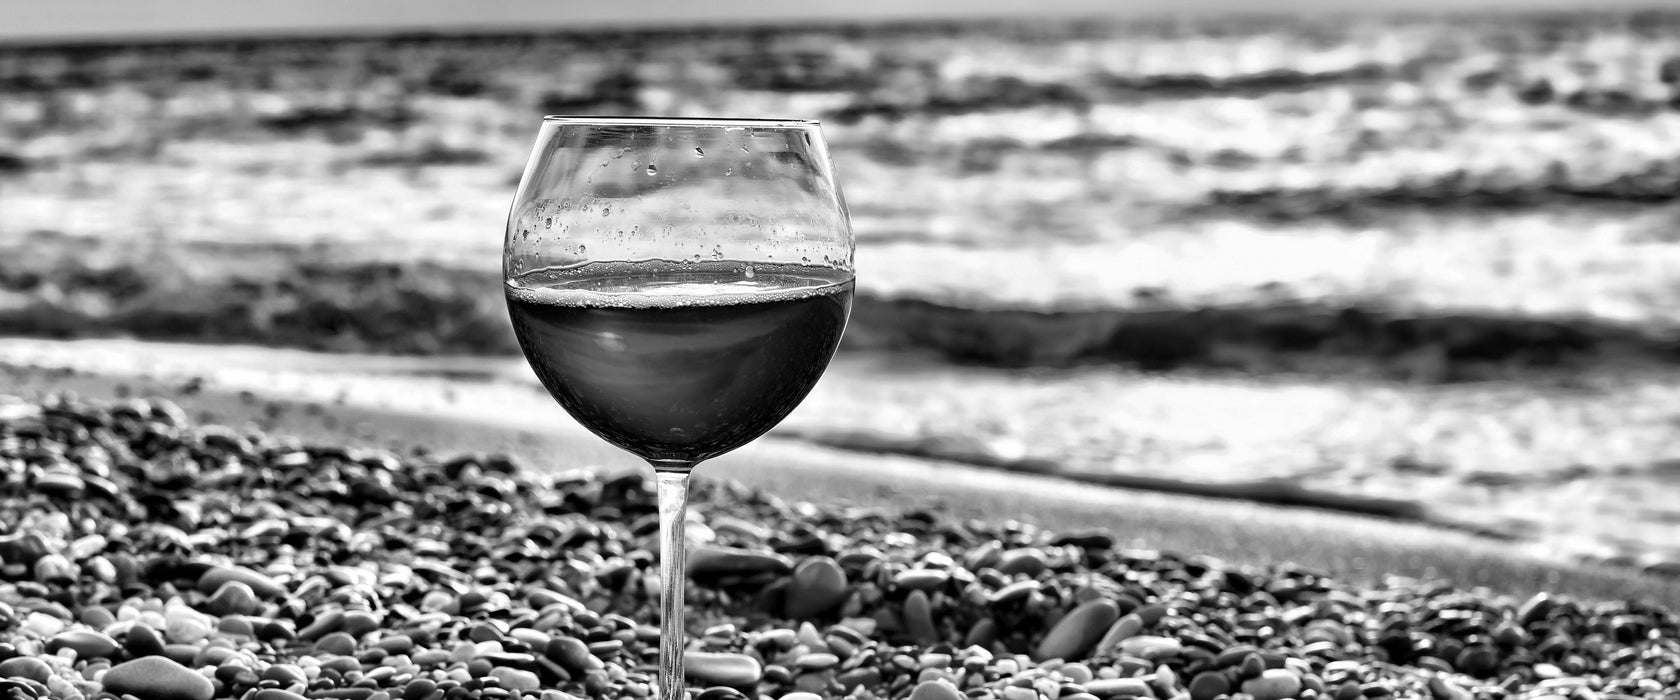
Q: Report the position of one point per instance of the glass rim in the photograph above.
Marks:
(759, 122)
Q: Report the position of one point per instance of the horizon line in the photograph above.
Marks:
(302, 32)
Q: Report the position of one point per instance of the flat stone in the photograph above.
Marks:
(87, 644)
(42, 624)
(1012, 593)
(733, 670)
(402, 643)
(339, 643)
(918, 618)
(142, 640)
(1151, 648)
(26, 667)
(1119, 688)
(1273, 684)
(275, 694)
(712, 561)
(1078, 631)
(818, 586)
(60, 484)
(1025, 561)
(1208, 685)
(572, 654)
(936, 690)
(261, 584)
(515, 679)
(1128, 626)
(921, 579)
(358, 622)
(232, 598)
(157, 678)
(184, 625)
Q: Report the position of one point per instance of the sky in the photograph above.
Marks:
(41, 19)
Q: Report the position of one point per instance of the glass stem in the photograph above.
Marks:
(673, 551)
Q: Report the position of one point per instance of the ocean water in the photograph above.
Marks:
(1421, 266)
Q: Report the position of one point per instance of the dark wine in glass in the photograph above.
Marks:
(678, 285)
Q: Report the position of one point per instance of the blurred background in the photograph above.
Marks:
(1418, 261)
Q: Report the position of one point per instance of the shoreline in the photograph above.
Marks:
(401, 413)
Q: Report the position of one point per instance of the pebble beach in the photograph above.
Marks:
(1371, 316)
(156, 557)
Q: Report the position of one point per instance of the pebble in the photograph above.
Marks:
(157, 678)
(712, 561)
(1078, 631)
(42, 624)
(1128, 626)
(733, 670)
(1273, 684)
(1151, 648)
(60, 484)
(936, 690)
(142, 640)
(572, 654)
(921, 579)
(358, 622)
(340, 643)
(515, 679)
(918, 618)
(275, 694)
(1209, 685)
(818, 586)
(183, 625)
(26, 667)
(1119, 688)
(1023, 562)
(260, 584)
(87, 644)
(472, 581)
(233, 598)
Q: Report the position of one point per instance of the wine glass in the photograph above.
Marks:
(678, 285)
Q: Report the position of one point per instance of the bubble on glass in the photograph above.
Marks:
(518, 265)
(548, 222)
(804, 260)
(717, 252)
(581, 249)
(728, 171)
(699, 153)
(748, 272)
(606, 210)
(652, 169)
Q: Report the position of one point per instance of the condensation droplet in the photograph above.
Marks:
(804, 259)
(518, 265)
(653, 170)
(749, 271)
(717, 253)
(728, 171)
(548, 222)
(582, 249)
(699, 153)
